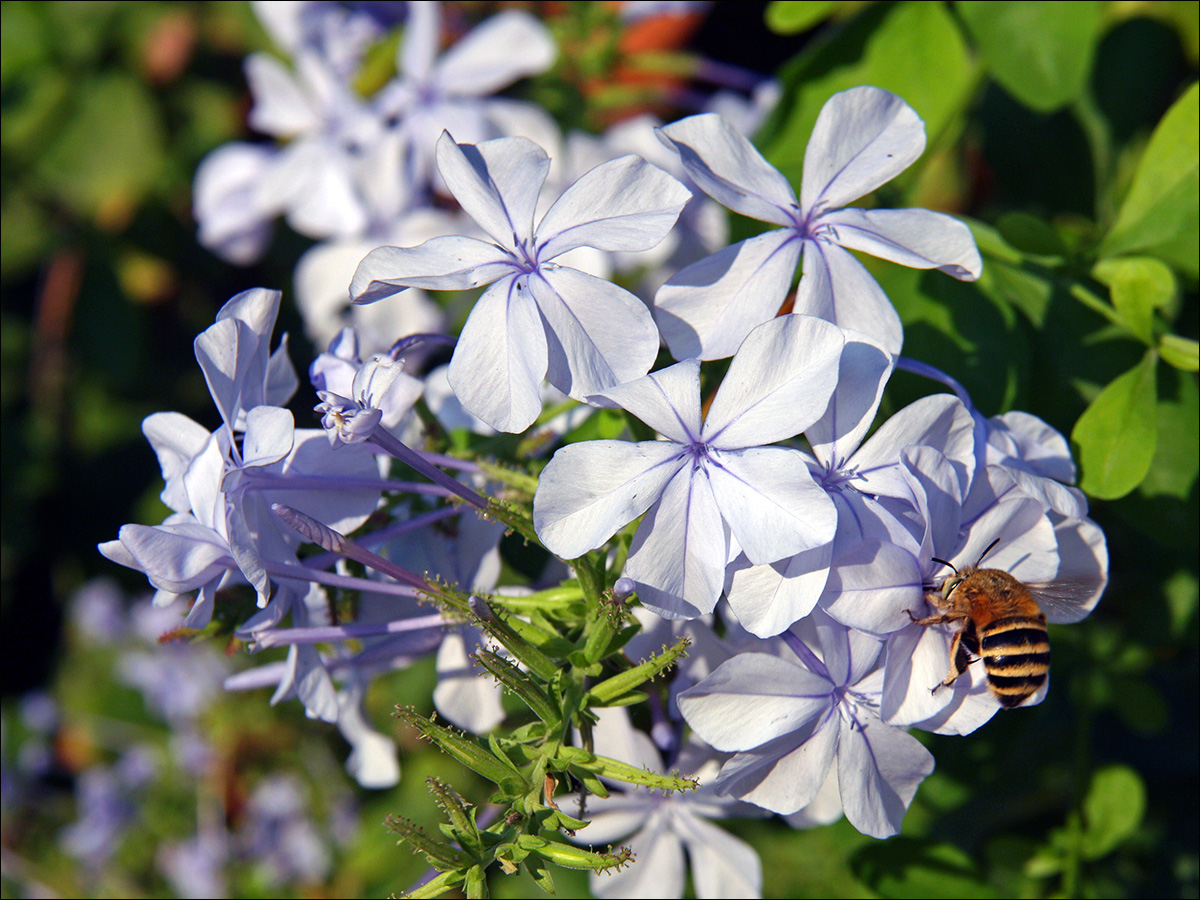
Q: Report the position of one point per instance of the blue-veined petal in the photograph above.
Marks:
(917, 238)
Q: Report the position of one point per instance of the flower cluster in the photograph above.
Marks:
(765, 514)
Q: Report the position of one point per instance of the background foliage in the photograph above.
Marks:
(1067, 136)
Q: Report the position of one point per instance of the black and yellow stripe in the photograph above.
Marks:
(1016, 654)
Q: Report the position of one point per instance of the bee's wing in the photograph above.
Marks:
(1068, 600)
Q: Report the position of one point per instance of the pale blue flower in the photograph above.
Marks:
(863, 138)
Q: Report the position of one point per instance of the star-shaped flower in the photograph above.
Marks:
(538, 319)
(863, 138)
(711, 481)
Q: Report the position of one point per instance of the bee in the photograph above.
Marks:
(1002, 624)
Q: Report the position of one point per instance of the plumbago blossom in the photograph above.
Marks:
(746, 513)
(538, 319)
(863, 138)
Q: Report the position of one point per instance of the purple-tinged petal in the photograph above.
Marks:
(679, 552)
(497, 183)
(917, 238)
(727, 167)
(936, 491)
(418, 49)
(864, 137)
(939, 422)
(270, 435)
(783, 775)
(706, 309)
(176, 557)
(623, 204)
(316, 189)
(598, 336)
(451, 263)
(510, 45)
(225, 351)
(280, 105)
(871, 586)
(918, 660)
(498, 365)
(771, 503)
(836, 287)
(1082, 573)
(342, 509)
(722, 865)
(306, 678)
(879, 770)
(768, 599)
(231, 222)
(751, 699)
(778, 384)
(591, 489)
(658, 872)
(1025, 543)
(667, 400)
(863, 371)
(176, 440)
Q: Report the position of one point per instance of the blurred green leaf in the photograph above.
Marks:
(1117, 433)
(1112, 809)
(1030, 234)
(1182, 592)
(1138, 285)
(1177, 455)
(792, 18)
(1161, 214)
(1180, 352)
(913, 50)
(110, 153)
(905, 867)
(1041, 52)
(23, 39)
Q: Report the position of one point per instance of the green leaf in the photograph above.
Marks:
(1117, 433)
(1040, 52)
(1180, 352)
(913, 50)
(110, 152)
(1138, 285)
(792, 18)
(1160, 214)
(1029, 234)
(905, 867)
(1177, 457)
(1112, 809)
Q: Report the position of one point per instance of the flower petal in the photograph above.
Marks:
(836, 287)
(667, 400)
(751, 699)
(917, 238)
(679, 552)
(497, 183)
(623, 204)
(767, 599)
(498, 365)
(727, 167)
(591, 489)
(862, 373)
(864, 137)
(598, 334)
(778, 384)
(494, 54)
(879, 770)
(451, 263)
(771, 503)
(707, 308)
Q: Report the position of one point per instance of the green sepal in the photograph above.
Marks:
(441, 856)
(441, 884)
(604, 693)
(631, 699)
(513, 478)
(500, 628)
(539, 873)
(475, 883)
(461, 827)
(571, 857)
(522, 685)
(576, 758)
(458, 745)
(1180, 352)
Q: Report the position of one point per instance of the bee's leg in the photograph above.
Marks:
(960, 657)
(929, 620)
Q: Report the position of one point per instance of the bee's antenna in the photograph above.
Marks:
(987, 551)
(944, 563)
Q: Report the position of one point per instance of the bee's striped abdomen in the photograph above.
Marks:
(1016, 654)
